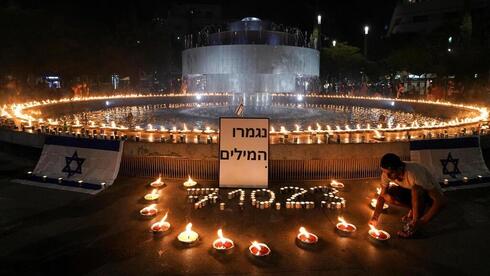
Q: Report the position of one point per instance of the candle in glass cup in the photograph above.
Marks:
(222, 243)
(188, 236)
(190, 182)
(259, 249)
(153, 195)
(378, 234)
(157, 183)
(161, 226)
(307, 237)
(149, 210)
(345, 226)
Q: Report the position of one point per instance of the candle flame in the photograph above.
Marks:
(220, 234)
(374, 229)
(188, 227)
(164, 218)
(154, 192)
(378, 191)
(257, 245)
(303, 231)
(342, 220)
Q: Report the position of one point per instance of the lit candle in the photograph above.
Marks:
(259, 249)
(153, 195)
(306, 237)
(377, 234)
(189, 182)
(150, 210)
(157, 183)
(374, 202)
(336, 184)
(161, 226)
(222, 243)
(345, 226)
(188, 236)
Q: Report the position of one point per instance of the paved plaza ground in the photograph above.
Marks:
(46, 231)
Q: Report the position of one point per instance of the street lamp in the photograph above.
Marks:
(366, 31)
(334, 42)
(319, 19)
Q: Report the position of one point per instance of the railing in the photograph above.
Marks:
(280, 170)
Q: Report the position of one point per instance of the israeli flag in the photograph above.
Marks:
(451, 160)
(86, 163)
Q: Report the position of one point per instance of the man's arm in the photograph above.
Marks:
(379, 207)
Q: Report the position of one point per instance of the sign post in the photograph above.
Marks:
(244, 152)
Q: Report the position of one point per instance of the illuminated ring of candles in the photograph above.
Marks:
(16, 110)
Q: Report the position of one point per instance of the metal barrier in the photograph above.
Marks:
(280, 170)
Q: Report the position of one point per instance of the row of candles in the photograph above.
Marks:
(189, 236)
(17, 111)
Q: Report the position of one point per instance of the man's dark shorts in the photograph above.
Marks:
(404, 196)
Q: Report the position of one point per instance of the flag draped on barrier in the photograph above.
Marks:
(86, 163)
(451, 159)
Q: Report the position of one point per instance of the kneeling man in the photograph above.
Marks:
(414, 188)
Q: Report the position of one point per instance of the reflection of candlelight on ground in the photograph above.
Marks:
(161, 226)
(157, 183)
(377, 234)
(222, 243)
(259, 249)
(374, 201)
(345, 226)
(307, 237)
(150, 210)
(336, 184)
(153, 195)
(188, 236)
(190, 182)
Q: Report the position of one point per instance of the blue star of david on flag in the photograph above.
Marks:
(453, 161)
(69, 160)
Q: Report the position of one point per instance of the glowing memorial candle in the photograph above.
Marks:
(188, 236)
(259, 249)
(345, 226)
(153, 195)
(161, 226)
(377, 234)
(157, 183)
(374, 201)
(306, 237)
(150, 210)
(222, 243)
(189, 182)
(336, 184)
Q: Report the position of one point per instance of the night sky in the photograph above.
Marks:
(344, 19)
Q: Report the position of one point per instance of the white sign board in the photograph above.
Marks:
(244, 152)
